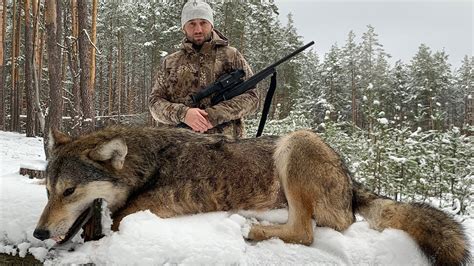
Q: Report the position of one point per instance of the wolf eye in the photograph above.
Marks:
(68, 191)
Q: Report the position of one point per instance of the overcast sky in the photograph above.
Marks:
(401, 25)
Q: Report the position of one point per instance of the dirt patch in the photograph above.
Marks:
(17, 260)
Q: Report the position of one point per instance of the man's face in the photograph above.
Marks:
(198, 31)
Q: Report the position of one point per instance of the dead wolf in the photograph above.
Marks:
(173, 171)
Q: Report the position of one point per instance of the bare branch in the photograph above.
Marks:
(88, 37)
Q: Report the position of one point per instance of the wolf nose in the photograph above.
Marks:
(41, 234)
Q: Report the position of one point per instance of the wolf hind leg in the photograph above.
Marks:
(293, 167)
(298, 229)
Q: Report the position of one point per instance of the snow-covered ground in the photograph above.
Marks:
(211, 238)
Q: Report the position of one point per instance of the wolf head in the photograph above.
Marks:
(80, 171)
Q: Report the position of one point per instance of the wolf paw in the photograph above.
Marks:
(245, 223)
(258, 232)
(247, 227)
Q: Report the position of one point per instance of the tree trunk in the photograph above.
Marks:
(33, 173)
(119, 75)
(3, 21)
(111, 92)
(144, 107)
(84, 59)
(73, 67)
(30, 114)
(129, 95)
(53, 120)
(354, 102)
(15, 97)
(75, 112)
(36, 58)
(131, 88)
(242, 43)
(75, 25)
(100, 88)
(93, 50)
(18, 92)
(36, 36)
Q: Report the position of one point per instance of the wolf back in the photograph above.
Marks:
(175, 171)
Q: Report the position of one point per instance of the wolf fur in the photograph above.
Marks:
(174, 171)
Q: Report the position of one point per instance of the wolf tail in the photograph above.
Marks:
(439, 236)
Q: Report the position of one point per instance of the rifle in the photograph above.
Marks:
(232, 84)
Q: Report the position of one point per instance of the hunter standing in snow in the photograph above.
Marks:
(205, 55)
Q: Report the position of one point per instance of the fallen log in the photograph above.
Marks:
(33, 173)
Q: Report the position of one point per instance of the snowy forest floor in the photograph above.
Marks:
(210, 238)
(29, 259)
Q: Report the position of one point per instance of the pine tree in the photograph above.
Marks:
(442, 83)
(399, 96)
(53, 28)
(422, 76)
(30, 114)
(289, 72)
(350, 66)
(333, 85)
(310, 94)
(231, 18)
(464, 86)
(374, 75)
(87, 93)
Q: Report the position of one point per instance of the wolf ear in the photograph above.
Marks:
(114, 150)
(57, 138)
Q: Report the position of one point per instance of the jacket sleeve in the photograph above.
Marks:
(161, 108)
(239, 106)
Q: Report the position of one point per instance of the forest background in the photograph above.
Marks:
(405, 130)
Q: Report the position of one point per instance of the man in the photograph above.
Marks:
(204, 56)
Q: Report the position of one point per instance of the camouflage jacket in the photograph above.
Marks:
(187, 71)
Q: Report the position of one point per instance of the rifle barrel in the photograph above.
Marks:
(270, 69)
(299, 50)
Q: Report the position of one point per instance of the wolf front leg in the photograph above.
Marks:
(152, 201)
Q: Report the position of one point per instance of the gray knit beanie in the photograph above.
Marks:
(195, 9)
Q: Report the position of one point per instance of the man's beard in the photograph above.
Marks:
(201, 41)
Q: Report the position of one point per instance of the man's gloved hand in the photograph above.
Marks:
(198, 120)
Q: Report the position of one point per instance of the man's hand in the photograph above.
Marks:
(197, 119)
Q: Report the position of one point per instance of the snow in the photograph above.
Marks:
(383, 121)
(208, 238)
(397, 159)
(322, 101)
(149, 44)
